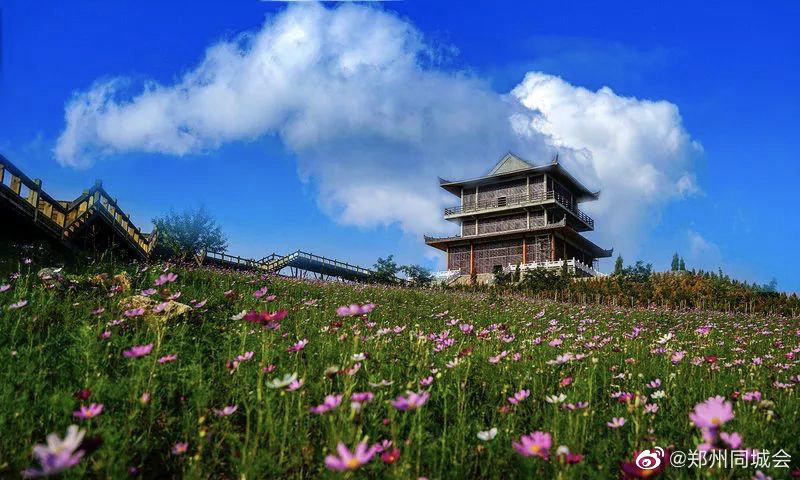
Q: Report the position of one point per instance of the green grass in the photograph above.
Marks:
(51, 348)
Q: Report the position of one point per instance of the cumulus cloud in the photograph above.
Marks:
(636, 150)
(358, 96)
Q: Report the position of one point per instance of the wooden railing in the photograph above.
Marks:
(275, 262)
(521, 200)
(60, 217)
(233, 259)
(573, 265)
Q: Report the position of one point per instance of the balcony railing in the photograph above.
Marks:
(573, 264)
(520, 200)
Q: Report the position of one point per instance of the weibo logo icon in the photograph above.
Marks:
(650, 459)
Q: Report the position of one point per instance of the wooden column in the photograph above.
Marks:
(524, 250)
(471, 258)
(447, 262)
(552, 247)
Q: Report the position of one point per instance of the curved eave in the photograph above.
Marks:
(579, 189)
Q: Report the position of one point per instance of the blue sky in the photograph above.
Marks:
(299, 179)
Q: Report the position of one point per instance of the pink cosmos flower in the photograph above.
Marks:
(294, 385)
(354, 310)
(138, 351)
(519, 396)
(90, 411)
(168, 277)
(244, 357)
(411, 401)
(536, 444)
(345, 460)
(148, 292)
(616, 422)
(712, 413)
(5, 288)
(180, 448)
(58, 455)
(200, 304)
(160, 307)
(362, 397)
(134, 312)
(677, 357)
(98, 311)
(225, 411)
(331, 402)
(297, 346)
(105, 334)
(17, 305)
(260, 292)
(426, 381)
(733, 440)
(168, 358)
(555, 342)
(751, 396)
(655, 383)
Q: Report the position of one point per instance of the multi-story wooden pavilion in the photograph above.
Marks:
(520, 213)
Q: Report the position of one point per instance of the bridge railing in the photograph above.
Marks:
(27, 192)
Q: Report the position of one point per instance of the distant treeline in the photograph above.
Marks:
(639, 286)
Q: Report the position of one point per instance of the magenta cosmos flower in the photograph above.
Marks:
(168, 277)
(345, 460)
(297, 346)
(270, 320)
(58, 455)
(354, 310)
(537, 444)
(712, 413)
(411, 401)
(138, 351)
(90, 411)
(168, 358)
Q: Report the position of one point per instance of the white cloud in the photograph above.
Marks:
(637, 151)
(357, 95)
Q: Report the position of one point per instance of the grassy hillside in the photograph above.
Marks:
(162, 412)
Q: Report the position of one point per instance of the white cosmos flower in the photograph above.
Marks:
(555, 398)
(488, 434)
(282, 382)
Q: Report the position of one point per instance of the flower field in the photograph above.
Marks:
(209, 374)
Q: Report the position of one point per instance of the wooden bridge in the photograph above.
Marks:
(95, 220)
(296, 264)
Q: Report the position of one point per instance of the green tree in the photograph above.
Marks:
(682, 265)
(619, 265)
(186, 234)
(675, 262)
(385, 270)
(417, 275)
